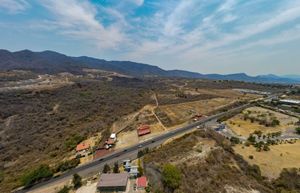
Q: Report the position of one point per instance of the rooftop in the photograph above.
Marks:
(143, 127)
(82, 146)
(141, 182)
(113, 180)
(113, 136)
(290, 101)
(110, 141)
(143, 130)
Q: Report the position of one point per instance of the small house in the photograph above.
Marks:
(113, 136)
(143, 130)
(141, 182)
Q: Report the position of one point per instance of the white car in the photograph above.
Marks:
(198, 127)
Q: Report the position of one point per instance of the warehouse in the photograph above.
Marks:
(113, 182)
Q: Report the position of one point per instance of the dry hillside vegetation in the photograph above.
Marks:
(272, 162)
(206, 164)
(42, 126)
(260, 119)
(179, 113)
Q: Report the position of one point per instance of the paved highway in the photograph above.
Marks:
(95, 166)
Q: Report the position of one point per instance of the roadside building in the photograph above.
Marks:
(143, 130)
(198, 117)
(141, 183)
(113, 182)
(109, 143)
(113, 136)
(82, 149)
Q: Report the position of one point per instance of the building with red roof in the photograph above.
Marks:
(143, 130)
(82, 147)
(141, 182)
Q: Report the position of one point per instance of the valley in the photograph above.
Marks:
(57, 113)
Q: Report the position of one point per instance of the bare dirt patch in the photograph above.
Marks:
(180, 113)
(272, 162)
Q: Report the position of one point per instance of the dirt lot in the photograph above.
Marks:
(246, 127)
(180, 113)
(129, 138)
(227, 93)
(272, 162)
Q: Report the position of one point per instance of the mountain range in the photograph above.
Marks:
(51, 62)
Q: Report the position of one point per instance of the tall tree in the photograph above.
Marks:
(116, 168)
(106, 169)
(77, 181)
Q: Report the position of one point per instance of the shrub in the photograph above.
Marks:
(288, 181)
(251, 139)
(72, 142)
(298, 130)
(266, 148)
(275, 122)
(65, 189)
(106, 169)
(235, 140)
(1, 176)
(66, 165)
(251, 157)
(116, 168)
(140, 168)
(37, 175)
(254, 171)
(76, 181)
(171, 177)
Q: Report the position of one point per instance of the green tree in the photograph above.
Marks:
(77, 181)
(251, 138)
(266, 147)
(116, 168)
(66, 165)
(171, 177)
(1, 176)
(298, 130)
(42, 172)
(73, 141)
(140, 168)
(235, 140)
(275, 122)
(106, 169)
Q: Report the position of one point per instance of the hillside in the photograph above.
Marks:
(43, 127)
(207, 163)
(52, 62)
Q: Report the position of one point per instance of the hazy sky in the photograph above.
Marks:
(207, 36)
